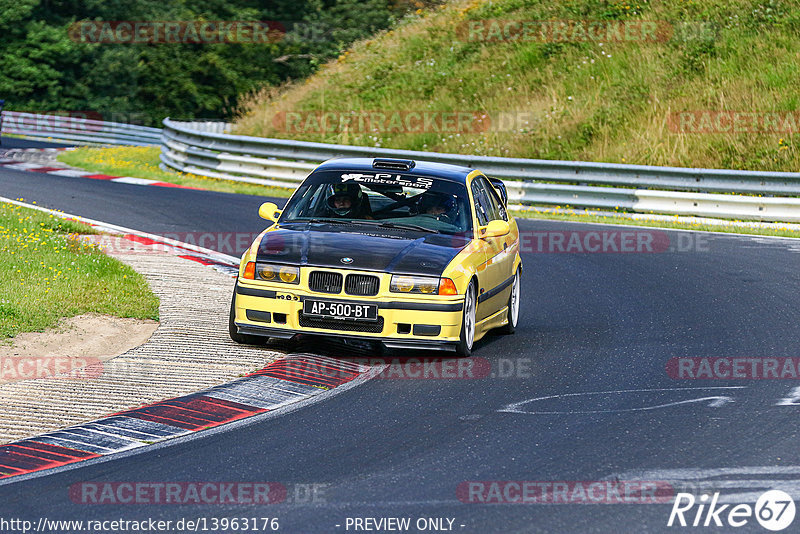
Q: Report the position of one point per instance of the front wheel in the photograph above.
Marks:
(513, 308)
(467, 338)
(233, 330)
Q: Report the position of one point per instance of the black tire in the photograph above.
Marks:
(243, 339)
(467, 338)
(513, 307)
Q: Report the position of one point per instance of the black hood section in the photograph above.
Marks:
(370, 250)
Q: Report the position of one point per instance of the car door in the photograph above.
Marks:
(507, 258)
(493, 273)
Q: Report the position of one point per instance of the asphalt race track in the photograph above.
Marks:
(14, 142)
(590, 355)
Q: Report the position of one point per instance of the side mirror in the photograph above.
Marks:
(496, 228)
(269, 211)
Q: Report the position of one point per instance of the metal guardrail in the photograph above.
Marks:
(769, 196)
(78, 130)
(208, 126)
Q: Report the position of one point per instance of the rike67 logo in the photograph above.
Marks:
(774, 510)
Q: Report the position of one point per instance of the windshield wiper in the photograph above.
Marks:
(368, 222)
(327, 221)
(404, 226)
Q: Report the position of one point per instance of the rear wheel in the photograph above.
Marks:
(513, 308)
(467, 338)
(244, 339)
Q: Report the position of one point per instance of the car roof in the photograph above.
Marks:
(445, 171)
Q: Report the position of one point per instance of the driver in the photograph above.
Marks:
(347, 201)
(440, 206)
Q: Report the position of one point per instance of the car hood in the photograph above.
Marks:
(370, 250)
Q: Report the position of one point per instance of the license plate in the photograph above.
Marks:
(340, 310)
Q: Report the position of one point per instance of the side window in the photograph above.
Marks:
(494, 198)
(492, 206)
(481, 209)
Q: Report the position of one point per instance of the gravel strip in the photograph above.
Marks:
(46, 157)
(190, 351)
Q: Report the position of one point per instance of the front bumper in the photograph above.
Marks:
(432, 323)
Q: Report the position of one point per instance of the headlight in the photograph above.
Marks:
(278, 273)
(290, 275)
(414, 284)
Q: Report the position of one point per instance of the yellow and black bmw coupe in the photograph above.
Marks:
(409, 253)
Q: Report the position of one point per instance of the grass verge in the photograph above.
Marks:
(46, 275)
(142, 162)
(562, 95)
(677, 224)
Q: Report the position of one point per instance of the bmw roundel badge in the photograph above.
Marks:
(347, 260)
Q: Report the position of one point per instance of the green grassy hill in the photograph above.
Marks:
(587, 90)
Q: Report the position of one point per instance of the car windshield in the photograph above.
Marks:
(385, 199)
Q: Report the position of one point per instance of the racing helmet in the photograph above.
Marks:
(443, 205)
(339, 191)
